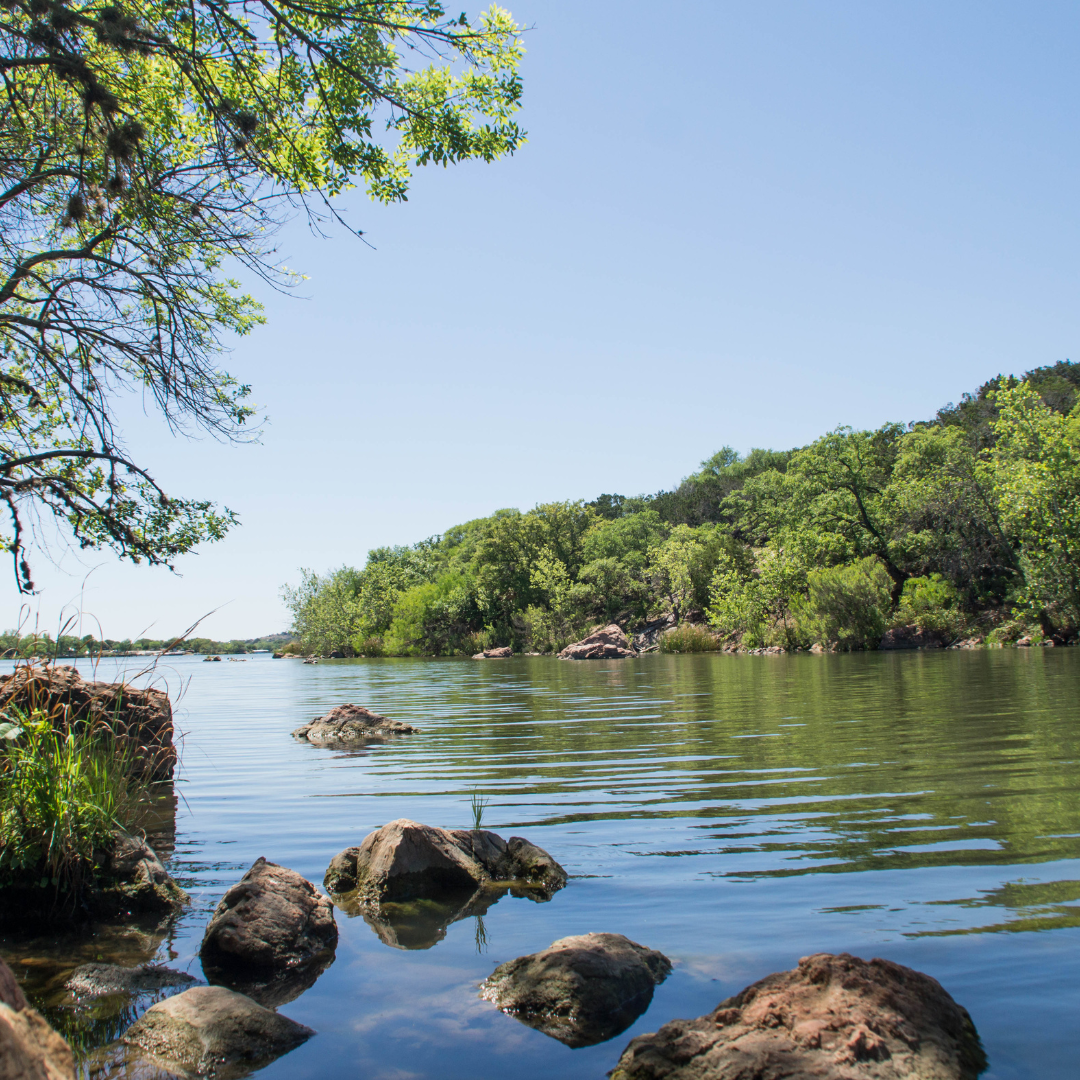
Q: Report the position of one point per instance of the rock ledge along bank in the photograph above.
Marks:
(29, 1048)
(139, 717)
(405, 860)
(581, 990)
(345, 722)
(831, 1018)
(271, 936)
(608, 643)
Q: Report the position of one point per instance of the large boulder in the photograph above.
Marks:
(29, 1048)
(581, 990)
(406, 861)
(345, 723)
(500, 652)
(272, 935)
(133, 880)
(831, 1018)
(608, 643)
(215, 1031)
(141, 718)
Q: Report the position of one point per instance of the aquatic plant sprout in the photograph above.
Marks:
(477, 802)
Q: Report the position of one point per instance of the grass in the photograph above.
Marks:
(63, 796)
(689, 638)
(477, 802)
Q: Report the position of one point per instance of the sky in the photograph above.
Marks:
(734, 223)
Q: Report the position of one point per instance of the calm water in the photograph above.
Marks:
(735, 812)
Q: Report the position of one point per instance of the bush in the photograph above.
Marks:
(64, 796)
(930, 603)
(846, 605)
(689, 638)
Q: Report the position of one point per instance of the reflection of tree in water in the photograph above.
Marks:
(1050, 905)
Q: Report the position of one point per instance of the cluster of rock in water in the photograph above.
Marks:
(273, 934)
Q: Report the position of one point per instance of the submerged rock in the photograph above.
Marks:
(100, 980)
(405, 861)
(346, 722)
(831, 1018)
(608, 643)
(271, 935)
(580, 990)
(210, 1030)
(29, 1048)
(141, 718)
(501, 652)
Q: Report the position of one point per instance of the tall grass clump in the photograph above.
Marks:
(689, 638)
(477, 803)
(64, 794)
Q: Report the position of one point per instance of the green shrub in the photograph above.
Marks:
(930, 603)
(689, 638)
(846, 605)
(63, 797)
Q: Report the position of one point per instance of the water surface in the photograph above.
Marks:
(735, 812)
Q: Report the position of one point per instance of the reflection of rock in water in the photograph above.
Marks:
(271, 989)
(418, 924)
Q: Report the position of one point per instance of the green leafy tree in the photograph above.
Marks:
(753, 595)
(1034, 468)
(326, 611)
(145, 147)
(682, 567)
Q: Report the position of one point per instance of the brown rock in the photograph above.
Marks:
(831, 1018)
(580, 990)
(272, 934)
(502, 652)
(29, 1048)
(346, 722)
(142, 717)
(609, 643)
(911, 637)
(406, 861)
(212, 1030)
(134, 881)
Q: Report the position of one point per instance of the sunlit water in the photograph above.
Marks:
(735, 812)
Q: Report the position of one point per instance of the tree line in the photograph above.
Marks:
(964, 525)
(18, 646)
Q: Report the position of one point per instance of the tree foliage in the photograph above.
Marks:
(146, 145)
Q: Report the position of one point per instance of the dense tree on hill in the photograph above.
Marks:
(968, 523)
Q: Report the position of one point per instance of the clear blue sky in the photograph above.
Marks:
(733, 223)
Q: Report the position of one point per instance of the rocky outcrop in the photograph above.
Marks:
(502, 652)
(831, 1018)
(104, 980)
(133, 880)
(580, 990)
(406, 861)
(912, 637)
(349, 722)
(141, 718)
(209, 1030)
(271, 935)
(647, 637)
(609, 643)
(29, 1048)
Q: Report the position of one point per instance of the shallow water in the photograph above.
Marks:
(735, 812)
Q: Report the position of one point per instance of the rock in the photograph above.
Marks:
(580, 990)
(29, 1048)
(503, 652)
(831, 1018)
(133, 880)
(969, 643)
(407, 861)
(101, 980)
(1024, 642)
(346, 722)
(212, 1030)
(911, 637)
(817, 648)
(142, 718)
(609, 643)
(647, 638)
(271, 933)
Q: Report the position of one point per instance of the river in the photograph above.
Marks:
(734, 812)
